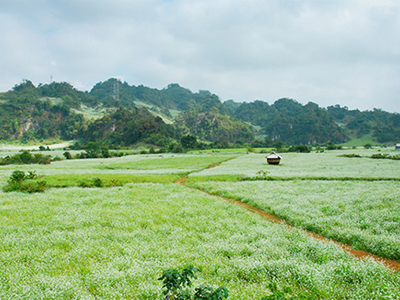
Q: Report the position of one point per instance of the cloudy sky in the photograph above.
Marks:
(329, 52)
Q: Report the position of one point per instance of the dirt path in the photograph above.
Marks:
(362, 255)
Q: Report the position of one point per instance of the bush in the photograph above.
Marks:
(25, 157)
(67, 155)
(350, 155)
(18, 181)
(177, 286)
(17, 177)
(97, 182)
(300, 148)
(331, 146)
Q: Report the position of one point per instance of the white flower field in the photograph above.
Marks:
(114, 242)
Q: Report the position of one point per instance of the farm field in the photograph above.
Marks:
(131, 168)
(363, 214)
(311, 165)
(115, 242)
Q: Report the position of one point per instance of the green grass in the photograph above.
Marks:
(365, 139)
(168, 162)
(66, 180)
(90, 112)
(114, 243)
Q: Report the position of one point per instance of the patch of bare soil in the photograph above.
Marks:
(213, 165)
(182, 180)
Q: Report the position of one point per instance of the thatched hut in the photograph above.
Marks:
(273, 159)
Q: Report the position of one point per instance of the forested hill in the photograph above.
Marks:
(290, 121)
(294, 123)
(114, 112)
(117, 113)
(169, 101)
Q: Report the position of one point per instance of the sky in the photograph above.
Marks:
(329, 52)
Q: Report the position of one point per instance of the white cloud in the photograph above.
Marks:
(327, 52)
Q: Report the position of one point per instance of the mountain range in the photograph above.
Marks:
(116, 113)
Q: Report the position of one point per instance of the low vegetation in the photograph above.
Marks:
(26, 157)
(177, 285)
(21, 182)
(115, 243)
(362, 214)
(385, 156)
(118, 224)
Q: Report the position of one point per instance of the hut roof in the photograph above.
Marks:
(274, 155)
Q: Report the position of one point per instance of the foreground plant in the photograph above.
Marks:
(177, 286)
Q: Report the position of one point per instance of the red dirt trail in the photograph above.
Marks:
(362, 255)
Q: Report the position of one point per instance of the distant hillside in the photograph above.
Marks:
(127, 127)
(294, 123)
(26, 114)
(291, 122)
(117, 113)
(168, 101)
(383, 126)
(213, 126)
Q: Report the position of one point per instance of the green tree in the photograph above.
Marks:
(92, 150)
(189, 142)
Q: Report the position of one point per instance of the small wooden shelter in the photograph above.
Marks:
(273, 159)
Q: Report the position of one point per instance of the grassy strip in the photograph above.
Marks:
(233, 178)
(157, 162)
(270, 178)
(66, 180)
(230, 178)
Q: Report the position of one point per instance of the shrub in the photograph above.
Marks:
(205, 291)
(25, 157)
(351, 155)
(67, 155)
(17, 177)
(385, 156)
(46, 160)
(331, 146)
(57, 158)
(18, 181)
(177, 286)
(260, 175)
(300, 148)
(84, 184)
(31, 175)
(97, 182)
